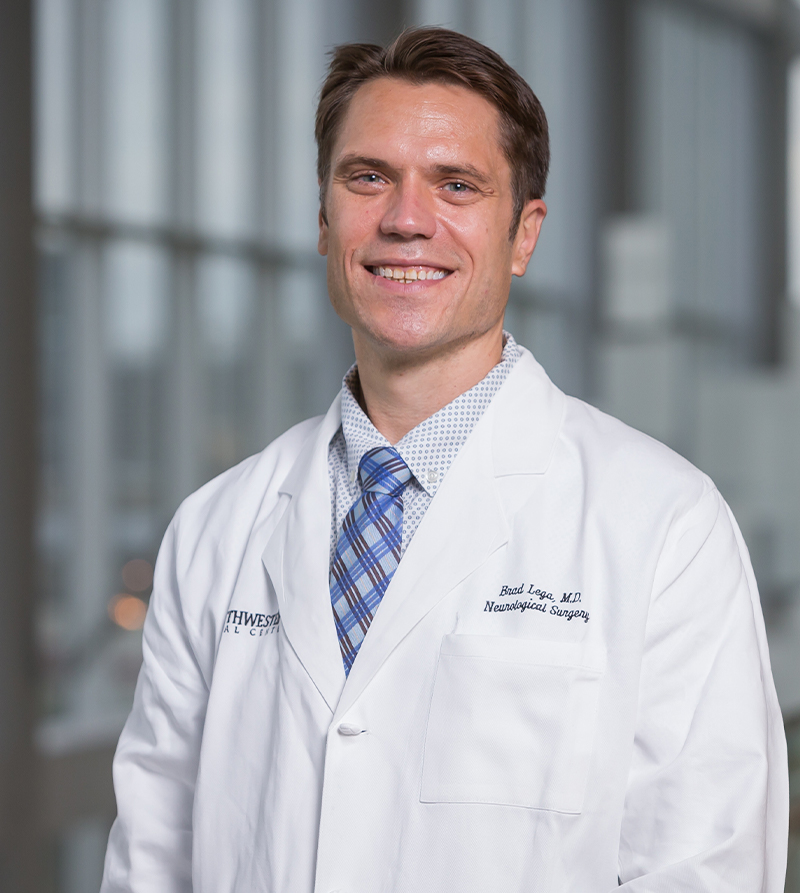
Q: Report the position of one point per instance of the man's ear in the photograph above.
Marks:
(322, 242)
(530, 225)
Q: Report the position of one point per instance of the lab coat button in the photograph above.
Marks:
(347, 728)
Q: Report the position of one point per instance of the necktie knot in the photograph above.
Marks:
(382, 470)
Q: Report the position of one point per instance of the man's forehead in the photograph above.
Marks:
(439, 116)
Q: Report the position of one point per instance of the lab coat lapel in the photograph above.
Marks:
(297, 558)
(466, 521)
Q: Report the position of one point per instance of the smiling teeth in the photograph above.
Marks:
(406, 275)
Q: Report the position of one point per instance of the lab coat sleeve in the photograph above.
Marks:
(707, 802)
(150, 846)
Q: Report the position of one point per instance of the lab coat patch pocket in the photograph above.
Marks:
(511, 723)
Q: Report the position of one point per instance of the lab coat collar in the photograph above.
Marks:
(527, 415)
(516, 435)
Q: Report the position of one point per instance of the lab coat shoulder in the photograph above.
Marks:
(242, 492)
(637, 484)
(621, 461)
(632, 476)
(635, 492)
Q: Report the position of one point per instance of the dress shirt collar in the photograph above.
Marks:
(430, 448)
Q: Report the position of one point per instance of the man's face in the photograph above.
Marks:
(418, 211)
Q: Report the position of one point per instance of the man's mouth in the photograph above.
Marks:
(409, 274)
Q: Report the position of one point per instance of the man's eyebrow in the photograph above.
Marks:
(462, 170)
(348, 161)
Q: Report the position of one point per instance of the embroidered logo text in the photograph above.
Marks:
(536, 599)
(247, 622)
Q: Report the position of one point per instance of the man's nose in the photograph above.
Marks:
(411, 212)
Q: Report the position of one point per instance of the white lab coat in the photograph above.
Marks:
(566, 683)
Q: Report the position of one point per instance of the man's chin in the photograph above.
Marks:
(405, 346)
(398, 342)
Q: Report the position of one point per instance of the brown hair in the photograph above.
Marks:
(424, 55)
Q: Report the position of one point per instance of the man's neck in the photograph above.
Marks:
(397, 393)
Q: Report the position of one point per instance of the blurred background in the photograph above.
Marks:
(163, 310)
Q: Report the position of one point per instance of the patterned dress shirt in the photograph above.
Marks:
(428, 450)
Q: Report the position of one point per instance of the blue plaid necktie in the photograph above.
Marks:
(368, 549)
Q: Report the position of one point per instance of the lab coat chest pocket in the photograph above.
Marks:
(511, 722)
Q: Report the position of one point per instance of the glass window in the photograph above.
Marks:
(136, 110)
(226, 117)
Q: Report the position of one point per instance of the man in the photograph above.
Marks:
(463, 633)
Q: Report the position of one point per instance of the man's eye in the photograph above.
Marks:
(367, 183)
(458, 188)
